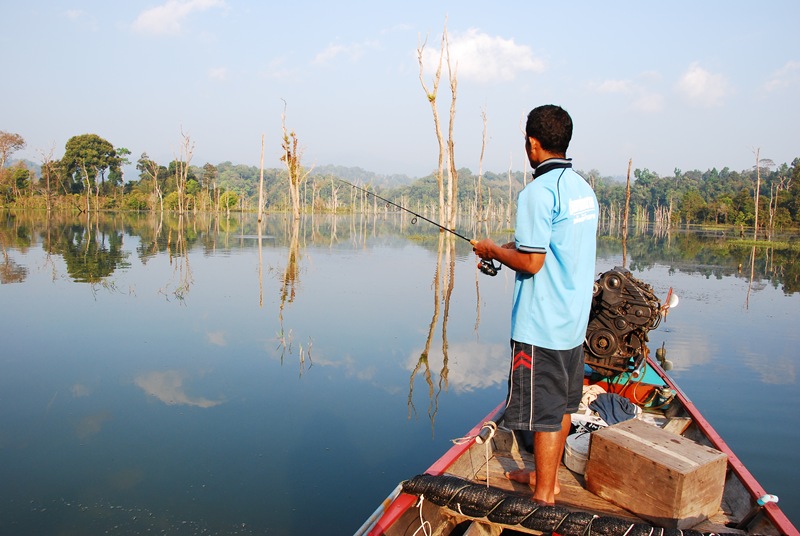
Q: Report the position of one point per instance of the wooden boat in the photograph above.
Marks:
(745, 507)
(666, 471)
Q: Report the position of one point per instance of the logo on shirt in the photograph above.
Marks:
(582, 209)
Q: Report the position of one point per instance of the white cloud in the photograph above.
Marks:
(168, 18)
(702, 87)
(167, 386)
(81, 18)
(642, 98)
(649, 102)
(354, 51)
(481, 57)
(786, 76)
(472, 365)
(278, 69)
(615, 86)
(217, 338)
(79, 390)
(218, 73)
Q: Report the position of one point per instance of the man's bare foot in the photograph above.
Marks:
(527, 477)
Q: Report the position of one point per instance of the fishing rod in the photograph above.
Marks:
(486, 266)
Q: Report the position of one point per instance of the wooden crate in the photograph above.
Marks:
(667, 479)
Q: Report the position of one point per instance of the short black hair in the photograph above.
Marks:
(552, 126)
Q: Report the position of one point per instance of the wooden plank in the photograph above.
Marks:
(573, 493)
(476, 528)
(678, 425)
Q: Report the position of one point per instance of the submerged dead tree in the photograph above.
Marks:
(448, 206)
(261, 187)
(291, 157)
(182, 170)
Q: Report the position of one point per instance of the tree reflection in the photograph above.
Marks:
(92, 247)
(443, 285)
(91, 251)
(178, 249)
(10, 271)
(288, 287)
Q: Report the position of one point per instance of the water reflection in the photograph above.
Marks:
(92, 251)
(423, 363)
(93, 248)
(167, 386)
(173, 410)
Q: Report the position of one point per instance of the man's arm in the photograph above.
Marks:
(508, 255)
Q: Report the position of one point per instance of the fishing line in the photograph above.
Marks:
(488, 267)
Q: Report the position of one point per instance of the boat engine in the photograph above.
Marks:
(624, 310)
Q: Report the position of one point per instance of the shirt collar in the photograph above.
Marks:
(551, 164)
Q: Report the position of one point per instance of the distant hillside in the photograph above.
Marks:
(361, 176)
(28, 164)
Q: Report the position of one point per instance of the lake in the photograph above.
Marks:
(209, 375)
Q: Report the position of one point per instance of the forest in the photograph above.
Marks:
(89, 177)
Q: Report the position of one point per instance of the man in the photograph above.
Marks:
(553, 254)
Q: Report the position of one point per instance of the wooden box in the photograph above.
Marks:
(664, 478)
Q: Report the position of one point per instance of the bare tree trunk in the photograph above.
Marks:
(478, 193)
(452, 172)
(758, 188)
(437, 127)
(47, 160)
(291, 157)
(261, 185)
(627, 203)
(88, 186)
(182, 170)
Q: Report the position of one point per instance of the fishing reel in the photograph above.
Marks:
(488, 267)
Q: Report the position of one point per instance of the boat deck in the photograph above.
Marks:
(506, 455)
(481, 458)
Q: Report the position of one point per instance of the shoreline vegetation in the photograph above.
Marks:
(89, 178)
(90, 243)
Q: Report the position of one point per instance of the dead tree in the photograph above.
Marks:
(759, 164)
(261, 185)
(182, 170)
(478, 193)
(47, 172)
(448, 208)
(291, 157)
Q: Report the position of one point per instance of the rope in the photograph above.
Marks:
(492, 426)
(424, 526)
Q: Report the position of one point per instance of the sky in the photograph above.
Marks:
(680, 84)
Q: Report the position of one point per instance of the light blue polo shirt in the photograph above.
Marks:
(556, 215)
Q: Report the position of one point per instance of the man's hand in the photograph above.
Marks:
(508, 255)
(484, 249)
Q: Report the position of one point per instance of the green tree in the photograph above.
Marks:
(86, 159)
(693, 207)
(9, 143)
(743, 207)
(116, 177)
(152, 178)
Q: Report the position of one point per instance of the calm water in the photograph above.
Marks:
(198, 376)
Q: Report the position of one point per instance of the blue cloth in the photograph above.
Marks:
(556, 215)
(613, 408)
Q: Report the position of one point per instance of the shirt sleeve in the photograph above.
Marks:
(534, 219)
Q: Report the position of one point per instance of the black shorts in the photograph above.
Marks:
(543, 386)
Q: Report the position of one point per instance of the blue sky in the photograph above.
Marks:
(693, 85)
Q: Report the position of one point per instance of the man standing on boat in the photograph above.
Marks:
(553, 255)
